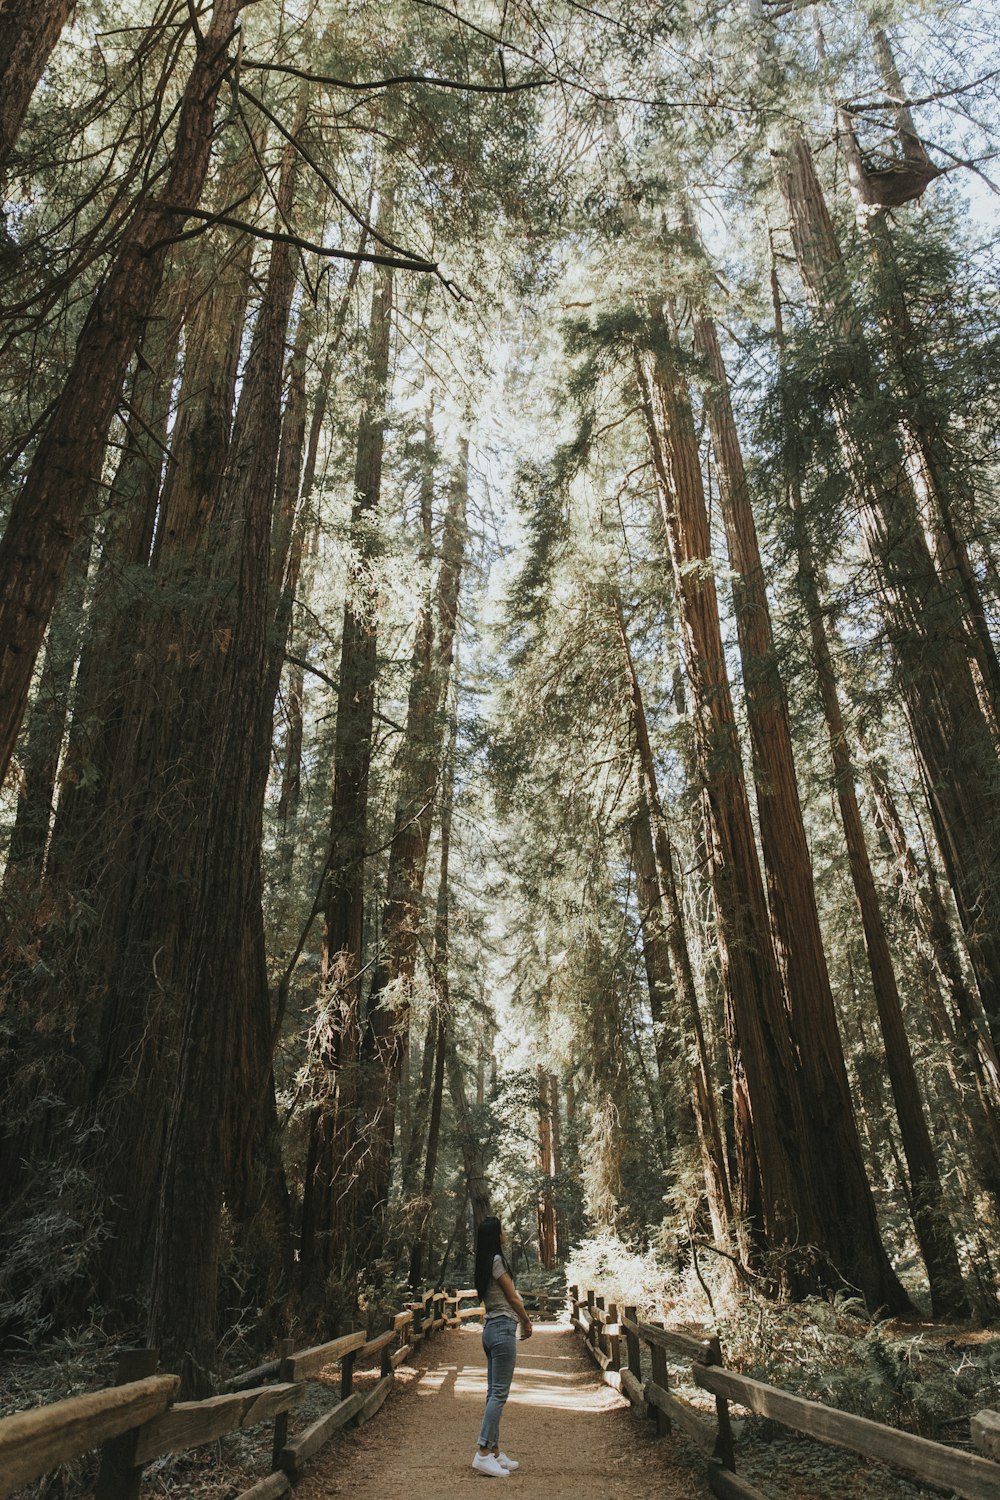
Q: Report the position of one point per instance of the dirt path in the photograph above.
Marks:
(573, 1435)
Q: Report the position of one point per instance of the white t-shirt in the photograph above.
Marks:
(497, 1305)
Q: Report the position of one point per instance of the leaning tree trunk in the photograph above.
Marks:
(967, 1021)
(924, 613)
(335, 1139)
(39, 760)
(28, 35)
(46, 514)
(933, 445)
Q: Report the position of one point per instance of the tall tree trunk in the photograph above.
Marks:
(421, 1246)
(934, 1232)
(778, 1170)
(422, 756)
(45, 517)
(296, 507)
(212, 960)
(847, 1207)
(553, 1097)
(83, 815)
(924, 613)
(327, 1210)
(546, 1207)
(28, 35)
(664, 937)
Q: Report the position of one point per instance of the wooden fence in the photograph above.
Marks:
(605, 1331)
(463, 1305)
(139, 1419)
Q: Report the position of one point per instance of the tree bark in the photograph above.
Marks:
(472, 1153)
(45, 517)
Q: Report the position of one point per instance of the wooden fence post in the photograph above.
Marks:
(574, 1302)
(286, 1348)
(632, 1345)
(661, 1377)
(613, 1339)
(347, 1374)
(591, 1334)
(119, 1476)
(725, 1448)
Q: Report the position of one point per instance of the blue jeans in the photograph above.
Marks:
(500, 1344)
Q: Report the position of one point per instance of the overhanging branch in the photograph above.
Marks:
(427, 79)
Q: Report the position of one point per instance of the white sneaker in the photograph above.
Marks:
(510, 1464)
(485, 1463)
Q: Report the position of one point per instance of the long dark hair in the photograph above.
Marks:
(487, 1247)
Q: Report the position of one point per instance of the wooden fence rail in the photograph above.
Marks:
(966, 1474)
(138, 1420)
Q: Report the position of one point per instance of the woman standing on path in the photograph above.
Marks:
(504, 1310)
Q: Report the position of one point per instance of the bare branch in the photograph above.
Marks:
(427, 79)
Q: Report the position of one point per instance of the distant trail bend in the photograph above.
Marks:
(573, 1436)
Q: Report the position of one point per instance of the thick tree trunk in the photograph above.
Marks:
(226, 890)
(85, 813)
(135, 832)
(46, 514)
(28, 35)
(924, 613)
